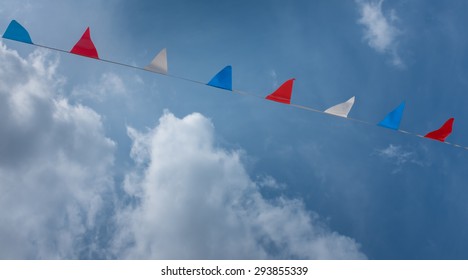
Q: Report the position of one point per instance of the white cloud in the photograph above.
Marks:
(380, 31)
(195, 200)
(55, 163)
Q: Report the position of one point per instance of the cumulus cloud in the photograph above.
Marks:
(380, 32)
(55, 163)
(185, 198)
(193, 199)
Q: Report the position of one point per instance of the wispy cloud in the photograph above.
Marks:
(399, 157)
(274, 77)
(266, 181)
(380, 31)
(109, 85)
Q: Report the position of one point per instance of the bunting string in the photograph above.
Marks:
(223, 80)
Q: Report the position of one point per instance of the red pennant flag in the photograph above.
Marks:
(283, 93)
(443, 132)
(85, 46)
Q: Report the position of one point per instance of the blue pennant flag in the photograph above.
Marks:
(17, 32)
(223, 79)
(393, 119)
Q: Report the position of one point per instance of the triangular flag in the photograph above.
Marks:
(223, 79)
(341, 109)
(283, 93)
(17, 32)
(159, 63)
(443, 132)
(393, 119)
(85, 46)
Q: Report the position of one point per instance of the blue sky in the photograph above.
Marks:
(101, 161)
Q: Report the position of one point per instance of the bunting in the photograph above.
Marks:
(159, 63)
(393, 119)
(283, 93)
(17, 32)
(443, 132)
(342, 109)
(85, 46)
(223, 80)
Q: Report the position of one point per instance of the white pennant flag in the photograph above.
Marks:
(159, 63)
(341, 109)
